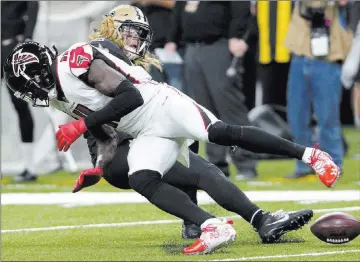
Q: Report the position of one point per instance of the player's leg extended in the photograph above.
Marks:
(259, 141)
(116, 174)
(208, 177)
(149, 158)
(198, 123)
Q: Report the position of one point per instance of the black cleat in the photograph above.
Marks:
(273, 226)
(25, 176)
(190, 231)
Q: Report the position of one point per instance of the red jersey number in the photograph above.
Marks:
(79, 58)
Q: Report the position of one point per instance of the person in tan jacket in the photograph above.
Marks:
(319, 39)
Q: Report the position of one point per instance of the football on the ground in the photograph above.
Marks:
(336, 228)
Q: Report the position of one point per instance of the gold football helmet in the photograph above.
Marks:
(134, 28)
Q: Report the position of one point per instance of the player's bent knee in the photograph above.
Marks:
(224, 134)
(145, 182)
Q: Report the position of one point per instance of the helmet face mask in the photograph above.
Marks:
(27, 72)
(32, 92)
(137, 38)
(133, 27)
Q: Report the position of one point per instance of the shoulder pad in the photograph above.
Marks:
(80, 57)
(107, 46)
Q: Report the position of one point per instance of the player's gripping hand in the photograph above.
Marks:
(68, 133)
(88, 178)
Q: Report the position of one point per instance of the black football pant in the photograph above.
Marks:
(201, 175)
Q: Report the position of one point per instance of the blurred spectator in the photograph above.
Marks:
(249, 74)
(53, 160)
(351, 68)
(213, 32)
(319, 38)
(273, 20)
(18, 19)
(159, 14)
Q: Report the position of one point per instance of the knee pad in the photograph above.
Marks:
(146, 182)
(224, 134)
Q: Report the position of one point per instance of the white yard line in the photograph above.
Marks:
(292, 255)
(124, 224)
(138, 223)
(100, 198)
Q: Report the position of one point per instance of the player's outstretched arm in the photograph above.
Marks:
(108, 81)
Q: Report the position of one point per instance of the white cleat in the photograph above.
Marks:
(215, 234)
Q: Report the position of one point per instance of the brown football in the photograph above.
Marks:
(336, 228)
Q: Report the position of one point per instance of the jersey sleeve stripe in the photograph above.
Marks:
(128, 76)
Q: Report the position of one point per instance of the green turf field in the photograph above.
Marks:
(146, 242)
(104, 236)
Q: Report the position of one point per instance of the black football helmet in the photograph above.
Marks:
(27, 72)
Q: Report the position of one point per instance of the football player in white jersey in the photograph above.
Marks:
(161, 120)
(116, 173)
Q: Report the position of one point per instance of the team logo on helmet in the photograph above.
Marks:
(20, 60)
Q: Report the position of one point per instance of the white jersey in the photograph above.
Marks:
(144, 121)
(75, 61)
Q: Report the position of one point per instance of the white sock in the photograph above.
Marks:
(27, 150)
(307, 155)
(253, 216)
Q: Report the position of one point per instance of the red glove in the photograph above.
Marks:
(68, 133)
(88, 178)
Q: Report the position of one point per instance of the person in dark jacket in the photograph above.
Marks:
(18, 20)
(214, 32)
(159, 13)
